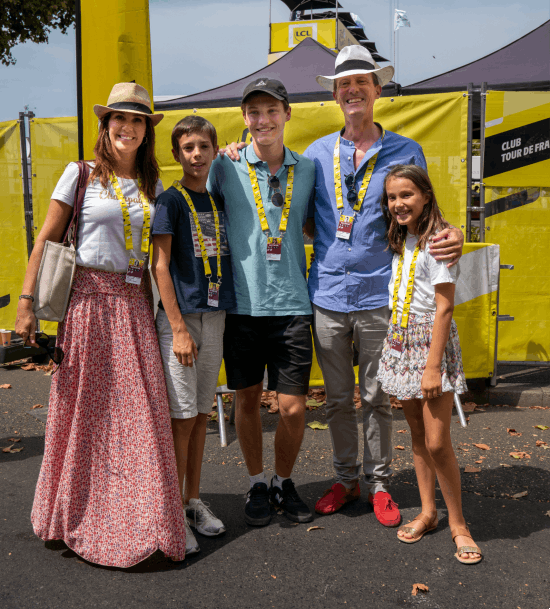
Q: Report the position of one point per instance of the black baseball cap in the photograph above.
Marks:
(272, 87)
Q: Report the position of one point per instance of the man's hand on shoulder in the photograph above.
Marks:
(447, 245)
(232, 150)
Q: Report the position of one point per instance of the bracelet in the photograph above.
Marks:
(26, 297)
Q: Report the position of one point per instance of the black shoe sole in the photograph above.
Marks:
(298, 518)
(257, 522)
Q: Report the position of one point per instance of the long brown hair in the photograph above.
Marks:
(430, 220)
(146, 162)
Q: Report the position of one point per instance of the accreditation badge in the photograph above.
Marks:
(274, 245)
(344, 227)
(396, 343)
(134, 274)
(213, 294)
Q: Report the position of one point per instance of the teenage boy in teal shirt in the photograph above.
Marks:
(270, 325)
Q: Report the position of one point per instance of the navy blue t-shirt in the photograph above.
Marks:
(173, 217)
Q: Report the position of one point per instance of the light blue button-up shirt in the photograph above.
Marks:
(353, 275)
(265, 287)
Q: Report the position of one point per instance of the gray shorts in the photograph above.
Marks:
(192, 390)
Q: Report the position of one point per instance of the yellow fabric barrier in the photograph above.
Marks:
(13, 235)
(54, 145)
(116, 47)
(517, 203)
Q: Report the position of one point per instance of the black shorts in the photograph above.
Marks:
(283, 344)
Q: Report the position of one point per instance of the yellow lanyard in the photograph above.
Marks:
(258, 198)
(338, 178)
(409, 292)
(146, 231)
(204, 253)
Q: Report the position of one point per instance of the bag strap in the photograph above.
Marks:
(80, 191)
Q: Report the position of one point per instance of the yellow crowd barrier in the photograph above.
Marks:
(13, 235)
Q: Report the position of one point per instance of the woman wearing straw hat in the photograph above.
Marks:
(108, 485)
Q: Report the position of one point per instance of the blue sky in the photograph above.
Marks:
(200, 44)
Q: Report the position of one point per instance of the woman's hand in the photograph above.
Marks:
(184, 348)
(25, 322)
(431, 383)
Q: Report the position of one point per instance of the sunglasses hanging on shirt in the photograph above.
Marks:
(277, 198)
(349, 181)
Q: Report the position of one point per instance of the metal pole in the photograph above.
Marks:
(27, 204)
(221, 420)
(460, 412)
(482, 162)
(337, 28)
(469, 163)
(79, 114)
(269, 41)
(493, 381)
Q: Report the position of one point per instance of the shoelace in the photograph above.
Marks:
(257, 495)
(390, 503)
(197, 507)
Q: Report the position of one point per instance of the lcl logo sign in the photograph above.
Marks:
(300, 31)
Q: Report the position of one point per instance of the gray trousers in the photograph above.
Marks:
(334, 334)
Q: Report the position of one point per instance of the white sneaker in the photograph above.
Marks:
(191, 545)
(203, 520)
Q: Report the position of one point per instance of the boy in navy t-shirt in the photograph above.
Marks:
(192, 269)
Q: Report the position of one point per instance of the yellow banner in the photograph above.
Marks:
(13, 235)
(517, 139)
(116, 47)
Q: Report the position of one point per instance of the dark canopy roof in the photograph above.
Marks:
(522, 64)
(306, 5)
(297, 70)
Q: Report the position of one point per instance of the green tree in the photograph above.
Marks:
(31, 20)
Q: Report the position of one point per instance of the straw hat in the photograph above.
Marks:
(355, 59)
(129, 97)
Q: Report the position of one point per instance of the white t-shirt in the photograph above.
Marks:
(429, 272)
(100, 242)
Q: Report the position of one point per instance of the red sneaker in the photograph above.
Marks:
(385, 509)
(336, 497)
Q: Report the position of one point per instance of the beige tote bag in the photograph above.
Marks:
(57, 267)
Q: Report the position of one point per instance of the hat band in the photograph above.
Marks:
(353, 64)
(130, 106)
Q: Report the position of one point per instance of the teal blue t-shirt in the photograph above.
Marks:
(265, 287)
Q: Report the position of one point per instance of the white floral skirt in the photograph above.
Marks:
(402, 377)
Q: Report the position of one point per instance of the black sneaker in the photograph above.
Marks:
(257, 511)
(288, 500)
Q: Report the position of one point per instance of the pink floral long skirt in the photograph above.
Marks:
(108, 485)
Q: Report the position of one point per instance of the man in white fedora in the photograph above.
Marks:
(348, 280)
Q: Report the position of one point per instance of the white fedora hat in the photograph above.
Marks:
(355, 59)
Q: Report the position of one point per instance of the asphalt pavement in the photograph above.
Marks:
(349, 561)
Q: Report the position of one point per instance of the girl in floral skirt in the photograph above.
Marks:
(421, 361)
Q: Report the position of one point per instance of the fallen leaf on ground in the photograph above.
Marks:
(402, 431)
(313, 404)
(513, 432)
(399, 447)
(29, 367)
(315, 529)
(542, 427)
(548, 513)
(520, 454)
(274, 576)
(540, 443)
(479, 461)
(506, 465)
(464, 449)
(469, 406)
(6, 386)
(317, 425)
(469, 469)
(37, 406)
(419, 588)
(483, 446)
(14, 439)
(519, 495)
(11, 449)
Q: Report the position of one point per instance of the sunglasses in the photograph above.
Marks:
(56, 353)
(277, 197)
(349, 181)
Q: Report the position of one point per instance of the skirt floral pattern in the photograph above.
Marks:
(402, 377)
(108, 485)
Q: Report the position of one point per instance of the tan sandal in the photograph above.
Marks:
(466, 549)
(429, 523)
